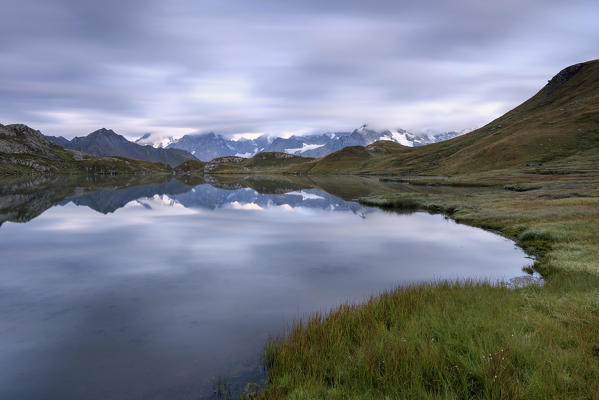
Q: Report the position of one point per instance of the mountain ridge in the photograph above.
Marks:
(209, 146)
(24, 150)
(105, 142)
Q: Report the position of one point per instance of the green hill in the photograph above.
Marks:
(561, 120)
(261, 162)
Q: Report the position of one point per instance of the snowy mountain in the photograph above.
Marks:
(155, 142)
(210, 145)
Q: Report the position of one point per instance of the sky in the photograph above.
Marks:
(69, 67)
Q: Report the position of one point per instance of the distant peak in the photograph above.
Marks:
(103, 131)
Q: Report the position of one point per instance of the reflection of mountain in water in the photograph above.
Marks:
(24, 198)
(109, 200)
(21, 201)
(209, 197)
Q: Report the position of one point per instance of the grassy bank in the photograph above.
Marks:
(468, 340)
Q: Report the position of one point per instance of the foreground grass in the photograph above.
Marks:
(467, 340)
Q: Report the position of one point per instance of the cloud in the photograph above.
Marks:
(72, 66)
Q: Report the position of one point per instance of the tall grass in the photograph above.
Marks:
(465, 340)
(449, 340)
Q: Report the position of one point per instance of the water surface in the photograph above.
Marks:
(159, 291)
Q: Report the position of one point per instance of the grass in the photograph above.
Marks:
(261, 163)
(20, 165)
(465, 340)
(190, 167)
(446, 341)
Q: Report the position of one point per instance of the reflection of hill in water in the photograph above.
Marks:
(24, 198)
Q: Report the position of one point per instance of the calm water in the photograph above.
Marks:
(160, 291)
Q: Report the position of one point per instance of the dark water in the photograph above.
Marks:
(161, 291)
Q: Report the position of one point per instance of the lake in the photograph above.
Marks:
(164, 290)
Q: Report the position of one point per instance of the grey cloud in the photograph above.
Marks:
(71, 66)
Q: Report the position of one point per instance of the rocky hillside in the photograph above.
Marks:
(24, 150)
(105, 142)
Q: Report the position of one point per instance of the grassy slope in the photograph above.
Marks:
(17, 165)
(260, 163)
(464, 340)
(469, 340)
(562, 119)
(191, 167)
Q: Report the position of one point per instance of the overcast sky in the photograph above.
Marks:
(68, 67)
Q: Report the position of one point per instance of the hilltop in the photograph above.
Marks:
(261, 162)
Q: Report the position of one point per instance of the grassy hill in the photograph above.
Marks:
(561, 120)
(190, 167)
(261, 162)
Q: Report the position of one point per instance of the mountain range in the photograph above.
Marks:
(105, 142)
(558, 123)
(209, 146)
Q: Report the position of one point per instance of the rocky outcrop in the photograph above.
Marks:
(21, 139)
(277, 155)
(212, 165)
(562, 77)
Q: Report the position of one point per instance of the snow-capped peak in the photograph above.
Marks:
(154, 141)
(401, 136)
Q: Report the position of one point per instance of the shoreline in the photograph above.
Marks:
(557, 352)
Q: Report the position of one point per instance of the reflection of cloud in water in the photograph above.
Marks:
(244, 206)
(173, 289)
(158, 203)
